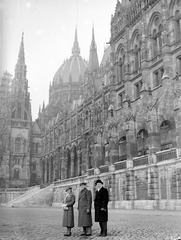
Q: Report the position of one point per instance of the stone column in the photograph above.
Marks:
(131, 140)
(79, 165)
(45, 173)
(153, 189)
(130, 186)
(153, 130)
(72, 163)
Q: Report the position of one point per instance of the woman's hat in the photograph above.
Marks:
(68, 188)
(98, 181)
(83, 183)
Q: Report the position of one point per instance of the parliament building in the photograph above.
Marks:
(118, 119)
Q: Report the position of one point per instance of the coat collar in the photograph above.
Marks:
(83, 192)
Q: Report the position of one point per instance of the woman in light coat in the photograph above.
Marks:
(68, 215)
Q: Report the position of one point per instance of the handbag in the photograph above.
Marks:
(65, 208)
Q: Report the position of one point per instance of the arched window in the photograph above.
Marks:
(142, 142)
(157, 35)
(137, 51)
(37, 148)
(86, 119)
(18, 145)
(167, 132)
(177, 24)
(16, 174)
(122, 149)
(121, 66)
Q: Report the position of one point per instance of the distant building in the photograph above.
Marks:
(20, 138)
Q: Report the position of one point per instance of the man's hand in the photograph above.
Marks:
(88, 210)
(103, 209)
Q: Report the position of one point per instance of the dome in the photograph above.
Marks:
(72, 69)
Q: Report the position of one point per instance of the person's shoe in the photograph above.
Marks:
(82, 234)
(88, 234)
(67, 234)
(100, 234)
(104, 234)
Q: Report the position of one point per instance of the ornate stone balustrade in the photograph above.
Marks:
(90, 172)
(120, 165)
(166, 155)
(104, 168)
(139, 161)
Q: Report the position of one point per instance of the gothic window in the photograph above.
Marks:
(18, 145)
(178, 24)
(157, 78)
(179, 64)
(16, 174)
(137, 87)
(122, 149)
(137, 52)
(167, 132)
(121, 66)
(37, 148)
(86, 119)
(157, 36)
(121, 98)
(34, 166)
(142, 142)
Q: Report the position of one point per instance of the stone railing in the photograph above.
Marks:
(70, 181)
(104, 168)
(166, 155)
(90, 172)
(120, 165)
(139, 161)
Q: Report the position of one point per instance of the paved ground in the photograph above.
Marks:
(45, 224)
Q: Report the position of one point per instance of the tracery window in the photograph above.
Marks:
(157, 36)
(142, 142)
(122, 149)
(167, 132)
(18, 145)
(178, 24)
(16, 174)
(137, 52)
(121, 65)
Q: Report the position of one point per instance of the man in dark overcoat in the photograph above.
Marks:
(101, 209)
(84, 208)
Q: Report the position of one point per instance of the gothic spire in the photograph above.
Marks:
(21, 56)
(20, 68)
(93, 58)
(76, 49)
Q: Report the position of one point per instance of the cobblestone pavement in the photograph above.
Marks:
(45, 224)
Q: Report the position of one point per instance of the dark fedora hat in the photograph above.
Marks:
(83, 183)
(68, 188)
(98, 181)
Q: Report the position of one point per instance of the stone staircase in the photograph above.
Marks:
(35, 197)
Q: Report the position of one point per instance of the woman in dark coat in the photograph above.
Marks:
(100, 205)
(84, 208)
(68, 216)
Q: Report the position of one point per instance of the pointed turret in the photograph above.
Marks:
(76, 49)
(93, 58)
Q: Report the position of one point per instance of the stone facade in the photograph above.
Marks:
(125, 125)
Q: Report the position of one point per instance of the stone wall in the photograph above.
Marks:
(7, 195)
(152, 186)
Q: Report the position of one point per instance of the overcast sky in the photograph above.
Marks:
(49, 29)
